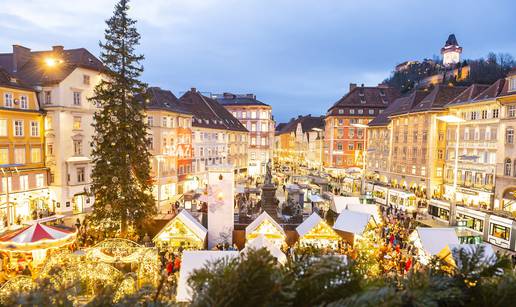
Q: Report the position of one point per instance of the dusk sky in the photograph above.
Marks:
(298, 56)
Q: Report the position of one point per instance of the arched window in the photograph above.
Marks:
(507, 167)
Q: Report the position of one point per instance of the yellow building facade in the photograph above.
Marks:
(23, 192)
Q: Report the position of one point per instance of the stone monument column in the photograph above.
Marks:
(221, 194)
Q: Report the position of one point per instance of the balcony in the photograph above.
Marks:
(473, 144)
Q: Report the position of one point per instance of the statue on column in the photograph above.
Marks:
(268, 172)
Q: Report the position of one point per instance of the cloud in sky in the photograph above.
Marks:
(299, 56)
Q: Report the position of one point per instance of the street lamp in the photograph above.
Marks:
(362, 184)
(452, 119)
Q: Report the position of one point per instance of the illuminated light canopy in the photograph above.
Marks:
(36, 236)
(451, 119)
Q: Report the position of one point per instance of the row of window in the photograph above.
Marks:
(479, 134)
(351, 132)
(251, 114)
(261, 141)
(351, 121)
(23, 185)
(10, 101)
(19, 127)
(20, 155)
(253, 127)
(469, 178)
(351, 146)
(480, 114)
(361, 111)
(171, 122)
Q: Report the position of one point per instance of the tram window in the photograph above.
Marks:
(500, 231)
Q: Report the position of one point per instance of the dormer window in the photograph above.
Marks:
(361, 94)
(512, 85)
(362, 100)
(341, 111)
(382, 93)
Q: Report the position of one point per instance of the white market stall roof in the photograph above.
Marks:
(340, 203)
(316, 198)
(308, 224)
(453, 251)
(192, 260)
(259, 220)
(260, 242)
(189, 221)
(365, 208)
(353, 222)
(434, 240)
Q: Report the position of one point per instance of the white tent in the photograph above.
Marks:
(260, 242)
(192, 260)
(315, 232)
(353, 222)
(340, 203)
(433, 240)
(365, 208)
(189, 221)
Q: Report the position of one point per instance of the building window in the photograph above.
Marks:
(509, 135)
(253, 141)
(244, 114)
(4, 155)
(484, 114)
(8, 100)
(24, 183)
(351, 111)
(413, 169)
(511, 111)
(50, 149)
(466, 134)
(423, 171)
(253, 127)
(253, 114)
(150, 121)
(496, 113)
(350, 146)
(47, 97)
(264, 127)
(34, 128)
(360, 111)
(76, 98)
(86, 79)
(371, 111)
(24, 102)
(351, 133)
(164, 121)
(18, 128)
(507, 167)
(439, 172)
(77, 147)
(474, 115)
(339, 146)
(35, 155)
(3, 127)
(77, 122)
(80, 174)
(19, 155)
(513, 85)
(40, 180)
(150, 139)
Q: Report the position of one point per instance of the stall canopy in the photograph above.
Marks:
(262, 242)
(353, 222)
(340, 203)
(36, 236)
(192, 260)
(264, 224)
(434, 240)
(182, 228)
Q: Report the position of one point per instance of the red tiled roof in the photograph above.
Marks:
(208, 113)
(492, 91)
(366, 97)
(468, 94)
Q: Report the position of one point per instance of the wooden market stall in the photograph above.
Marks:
(265, 225)
(183, 230)
(262, 242)
(353, 225)
(314, 231)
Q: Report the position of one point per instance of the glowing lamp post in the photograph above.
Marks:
(452, 119)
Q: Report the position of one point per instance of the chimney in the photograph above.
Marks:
(57, 49)
(229, 95)
(252, 96)
(20, 56)
(362, 85)
(193, 89)
(352, 86)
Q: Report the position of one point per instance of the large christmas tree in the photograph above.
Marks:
(121, 176)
